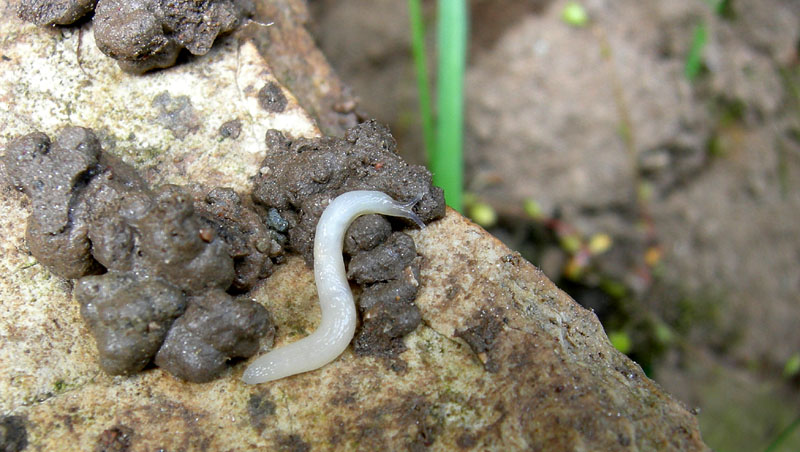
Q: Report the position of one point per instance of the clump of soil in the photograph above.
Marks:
(214, 328)
(50, 12)
(52, 175)
(145, 34)
(145, 258)
(298, 179)
(128, 317)
(251, 242)
(158, 270)
(13, 434)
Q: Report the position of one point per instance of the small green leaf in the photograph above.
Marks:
(575, 14)
(483, 214)
(621, 341)
(614, 289)
(571, 243)
(694, 60)
(533, 209)
(792, 366)
(663, 333)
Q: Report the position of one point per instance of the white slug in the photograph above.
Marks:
(338, 322)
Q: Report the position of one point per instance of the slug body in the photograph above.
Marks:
(338, 322)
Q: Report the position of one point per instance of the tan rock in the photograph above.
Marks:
(504, 360)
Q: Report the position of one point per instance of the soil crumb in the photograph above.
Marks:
(231, 129)
(481, 335)
(299, 178)
(128, 317)
(215, 328)
(271, 98)
(148, 34)
(115, 439)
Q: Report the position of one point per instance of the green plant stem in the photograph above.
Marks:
(447, 163)
(419, 54)
(694, 60)
(783, 436)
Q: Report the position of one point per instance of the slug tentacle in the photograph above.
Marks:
(410, 214)
(338, 321)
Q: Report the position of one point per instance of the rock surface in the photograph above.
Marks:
(504, 360)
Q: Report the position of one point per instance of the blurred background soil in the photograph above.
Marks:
(668, 204)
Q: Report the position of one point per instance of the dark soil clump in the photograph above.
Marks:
(215, 328)
(157, 270)
(49, 12)
(384, 262)
(145, 34)
(251, 244)
(128, 317)
(148, 34)
(53, 175)
(231, 129)
(271, 98)
(299, 179)
(13, 434)
(144, 259)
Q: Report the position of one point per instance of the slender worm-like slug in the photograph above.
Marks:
(338, 322)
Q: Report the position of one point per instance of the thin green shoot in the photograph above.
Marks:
(722, 8)
(447, 162)
(421, 68)
(783, 436)
(694, 60)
